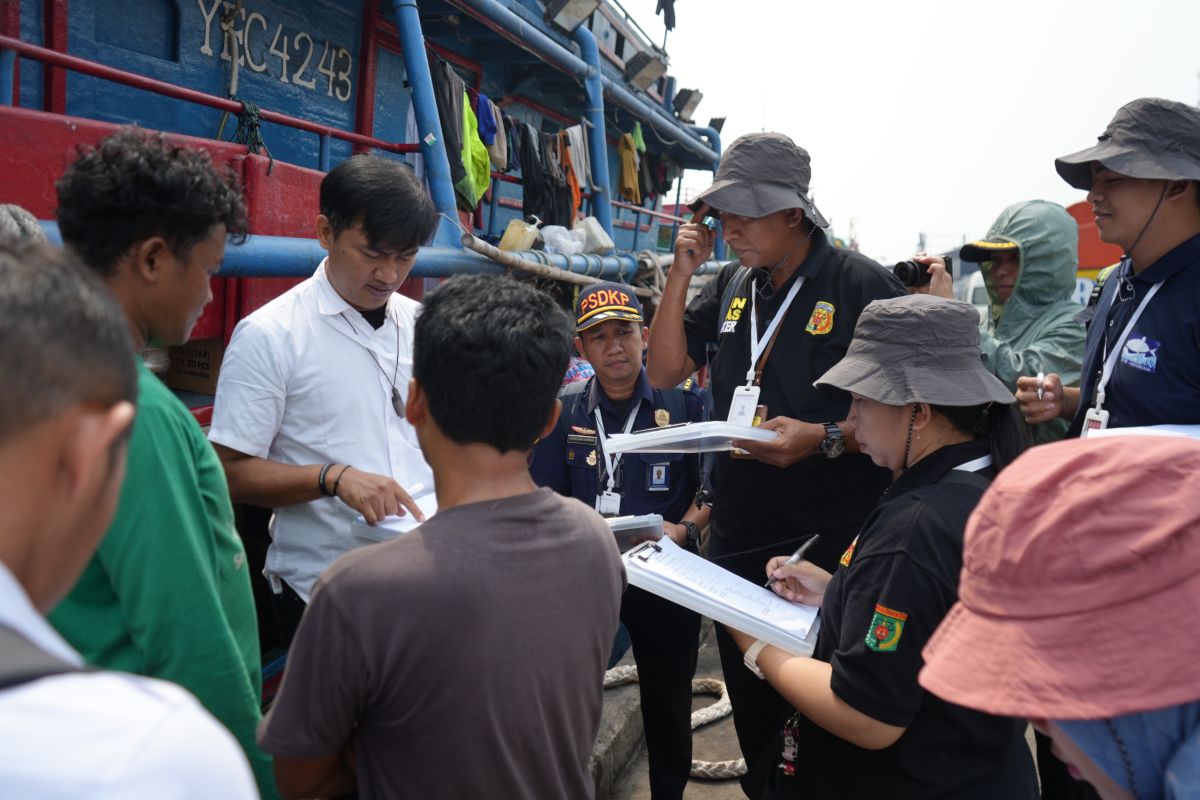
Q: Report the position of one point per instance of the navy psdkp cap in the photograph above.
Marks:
(601, 302)
(1148, 138)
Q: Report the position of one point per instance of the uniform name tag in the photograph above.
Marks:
(574, 438)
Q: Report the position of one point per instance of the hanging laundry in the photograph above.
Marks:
(450, 93)
(477, 174)
(559, 193)
(498, 148)
(487, 122)
(513, 132)
(638, 139)
(412, 133)
(627, 185)
(580, 159)
(535, 194)
(569, 170)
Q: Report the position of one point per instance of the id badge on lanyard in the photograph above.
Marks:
(1096, 418)
(608, 501)
(744, 406)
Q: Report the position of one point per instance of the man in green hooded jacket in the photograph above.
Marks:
(1029, 259)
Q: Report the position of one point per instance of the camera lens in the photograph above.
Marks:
(911, 273)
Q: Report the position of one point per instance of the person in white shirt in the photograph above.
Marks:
(65, 418)
(309, 413)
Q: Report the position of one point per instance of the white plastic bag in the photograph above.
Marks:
(596, 239)
(560, 240)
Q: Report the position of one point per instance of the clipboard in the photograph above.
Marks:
(669, 571)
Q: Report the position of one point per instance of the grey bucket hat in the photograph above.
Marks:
(917, 349)
(759, 174)
(1147, 138)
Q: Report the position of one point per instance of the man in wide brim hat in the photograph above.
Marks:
(1140, 365)
(805, 296)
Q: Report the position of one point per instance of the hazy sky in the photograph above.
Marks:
(927, 115)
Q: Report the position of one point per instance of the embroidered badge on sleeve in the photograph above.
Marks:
(821, 321)
(886, 626)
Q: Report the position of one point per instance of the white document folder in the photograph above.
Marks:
(667, 570)
(391, 527)
(689, 437)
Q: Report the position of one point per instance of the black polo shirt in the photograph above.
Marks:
(757, 504)
(894, 586)
(1156, 379)
(569, 459)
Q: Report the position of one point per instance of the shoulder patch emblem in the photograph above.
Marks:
(849, 554)
(821, 321)
(583, 431)
(886, 626)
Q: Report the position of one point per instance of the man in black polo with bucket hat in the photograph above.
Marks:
(802, 297)
(1141, 363)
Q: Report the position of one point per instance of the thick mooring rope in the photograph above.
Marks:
(706, 770)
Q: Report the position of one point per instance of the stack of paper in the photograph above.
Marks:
(691, 437)
(391, 527)
(667, 570)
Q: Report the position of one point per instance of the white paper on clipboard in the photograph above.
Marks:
(667, 570)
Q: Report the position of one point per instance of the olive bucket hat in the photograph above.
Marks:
(917, 349)
(1148, 138)
(759, 174)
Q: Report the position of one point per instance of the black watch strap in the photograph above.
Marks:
(693, 533)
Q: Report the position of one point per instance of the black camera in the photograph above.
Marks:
(912, 273)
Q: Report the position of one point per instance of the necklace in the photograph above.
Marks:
(766, 289)
(397, 400)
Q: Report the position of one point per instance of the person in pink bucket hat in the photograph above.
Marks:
(1079, 593)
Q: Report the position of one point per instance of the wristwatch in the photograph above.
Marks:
(693, 533)
(751, 657)
(834, 443)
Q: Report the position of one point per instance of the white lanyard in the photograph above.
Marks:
(611, 463)
(976, 465)
(756, 345)
(1110, 359)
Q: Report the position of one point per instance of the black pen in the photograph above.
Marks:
(795, 559)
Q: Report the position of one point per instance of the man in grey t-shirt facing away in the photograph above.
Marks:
(464, 659)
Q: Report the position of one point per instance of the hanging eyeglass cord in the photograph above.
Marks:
(397, 400)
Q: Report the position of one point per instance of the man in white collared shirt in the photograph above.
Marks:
(309, 412)
(64, 428)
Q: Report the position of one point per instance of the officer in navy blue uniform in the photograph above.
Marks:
(572, 461)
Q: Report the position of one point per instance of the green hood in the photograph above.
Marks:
(1036, 330)
(1047, 239)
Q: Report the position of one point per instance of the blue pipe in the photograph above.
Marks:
(494, 207)
(287, 257)
(597, 139)
(323, 162)
(669, 94)
(714, 141)
(8, 68)
(429, 127)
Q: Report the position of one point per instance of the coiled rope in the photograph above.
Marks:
(706, 770)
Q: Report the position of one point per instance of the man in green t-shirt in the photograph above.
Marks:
(168, 592)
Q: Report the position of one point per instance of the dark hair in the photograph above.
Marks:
(490, 353)
(64, 340)
(386, 196)
(136, 185)
(999, 423)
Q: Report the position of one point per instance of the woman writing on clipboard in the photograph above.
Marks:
(928, 410)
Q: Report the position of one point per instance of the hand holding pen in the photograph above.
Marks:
(792, 560)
